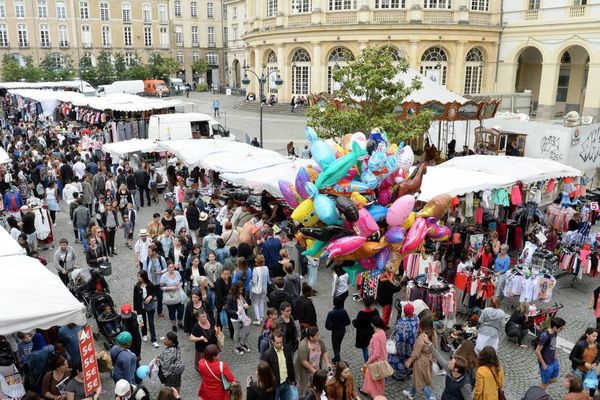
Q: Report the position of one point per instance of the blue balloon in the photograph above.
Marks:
(382, 258)
(143, 371)
(378, 212)
(310, 134)
(326, 210)
(369, 179)
(322, 153)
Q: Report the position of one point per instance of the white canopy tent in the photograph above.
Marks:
(4, 158)
(31, 296)
(125, 147)
(430, 90)
(458, 182)
(524, 169)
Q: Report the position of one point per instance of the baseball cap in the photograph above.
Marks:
(122, 387)
(126, 310)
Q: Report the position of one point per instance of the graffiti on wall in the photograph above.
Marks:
(551, 147)
(590, 147)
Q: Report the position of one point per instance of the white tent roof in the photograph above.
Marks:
(131, 146)
(4, 158)
(8, 245)
(457, 182)
(113, 101)
(74, 84)
(524, 169)
(429, 91)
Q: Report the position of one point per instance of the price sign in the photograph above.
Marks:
(91, 375)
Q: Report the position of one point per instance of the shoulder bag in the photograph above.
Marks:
(382, 369)
(501, 395)
(390, 345)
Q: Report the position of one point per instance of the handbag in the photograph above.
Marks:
(226, 383)
(501, 395)
(380, 370)
(151, 306)
(220, 340)
(513, 329)
(182, 296)
(171, 297)
(390, 345)
(12, 385)
(590, 380)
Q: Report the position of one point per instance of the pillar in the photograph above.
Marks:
(317, 70)
(283, 63)
(457, 69)
(576, 76)
(548, 84)
(413, 54)
(362, 44)
(591, 105)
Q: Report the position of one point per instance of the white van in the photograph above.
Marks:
(129, 87)
(186, 126)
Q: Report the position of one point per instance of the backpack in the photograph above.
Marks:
(262, 338)
(258, 287)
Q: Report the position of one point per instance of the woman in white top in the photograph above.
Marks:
(52, 200)
(260, 280)
(178, 253)
(195, 272)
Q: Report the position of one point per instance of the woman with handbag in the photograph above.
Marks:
(489, 381)
(374, 383)
(236, 309)
(421, 361)
(173, 295)
(144, 304)
(170, 363)
(311, 354)
(341, 385)
(264, 386)
(203, 334)
(95, 255)
(404, 338)
(216, 375)
(516, 326)
(585, 356)
(317, 386)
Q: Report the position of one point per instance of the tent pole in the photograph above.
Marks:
(439, 134)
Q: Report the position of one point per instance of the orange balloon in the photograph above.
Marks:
(436, 207)
(301, 239)
(369, 249)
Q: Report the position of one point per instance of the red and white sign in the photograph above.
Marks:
(91, 375)
(594, 206)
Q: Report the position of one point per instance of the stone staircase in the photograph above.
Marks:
(278, 108)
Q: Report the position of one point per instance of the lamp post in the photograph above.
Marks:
(262, 79)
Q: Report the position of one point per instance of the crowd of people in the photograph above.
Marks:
(220, 266)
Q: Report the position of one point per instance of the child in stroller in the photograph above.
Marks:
(108, 318)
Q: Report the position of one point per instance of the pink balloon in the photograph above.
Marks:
(366, 225)
(415, 236)
(385, 193)
(400, 210)
(344, 246)
(288, 193)
(367, 263)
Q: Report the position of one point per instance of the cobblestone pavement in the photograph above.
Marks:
(520, 364)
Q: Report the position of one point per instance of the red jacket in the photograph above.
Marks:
(211, 387)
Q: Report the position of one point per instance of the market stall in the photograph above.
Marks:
(121, 149)
(4, 158)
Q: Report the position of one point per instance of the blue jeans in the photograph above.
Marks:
(427, 391)
(83, 236)
(148, 318)
(365, 351)
(283, 391)
(210, 298)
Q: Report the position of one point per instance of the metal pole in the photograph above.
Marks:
(261, 83)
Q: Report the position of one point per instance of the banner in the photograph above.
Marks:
(91, 375)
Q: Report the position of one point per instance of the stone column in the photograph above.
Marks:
(317, 70)
(413, 55)
(285, 70)
(591, 105)
(574, 92)
(548, 84)
(457, 69)
(507, 75)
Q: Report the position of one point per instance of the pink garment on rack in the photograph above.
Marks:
(551, 185)
(515, 195)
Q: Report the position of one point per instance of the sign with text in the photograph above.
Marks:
(91, 375)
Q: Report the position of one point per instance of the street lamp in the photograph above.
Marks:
(262, 79)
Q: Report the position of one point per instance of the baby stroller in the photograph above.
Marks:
(107, 326)
(78, 284)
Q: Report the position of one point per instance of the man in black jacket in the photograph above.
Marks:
(142, 180)
(279, 295)
(284, 376)
(305, 310)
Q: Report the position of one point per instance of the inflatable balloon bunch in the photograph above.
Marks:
(358, 203)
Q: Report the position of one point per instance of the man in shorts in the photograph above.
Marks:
(545, 352)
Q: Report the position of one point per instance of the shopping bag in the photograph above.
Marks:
(223, 317)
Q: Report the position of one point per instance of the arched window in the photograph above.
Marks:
(20, 59)
(564, 75)
(473, 71)
(300, 73)
(434, 64)
(126, 12)
(58, 60)
(272, 66)
(338, 57)
(396, 53)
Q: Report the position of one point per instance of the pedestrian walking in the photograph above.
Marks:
(337, 321)
(545, 352)
(216, 105)
(490, 376)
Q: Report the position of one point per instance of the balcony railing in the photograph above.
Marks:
(341, 17)
(299, 20)
(438, 17)
(479, 18)
(269, 23)
(531, 15)
(577, 11)
(389, 16)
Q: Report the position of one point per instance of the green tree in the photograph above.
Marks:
(138, 71)
(87, 71)
(200, 67)
(105, 70)
(11, 69)
(31, 73)
(55, 69)
(120, 67)
(161, 67)
(369, 92)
